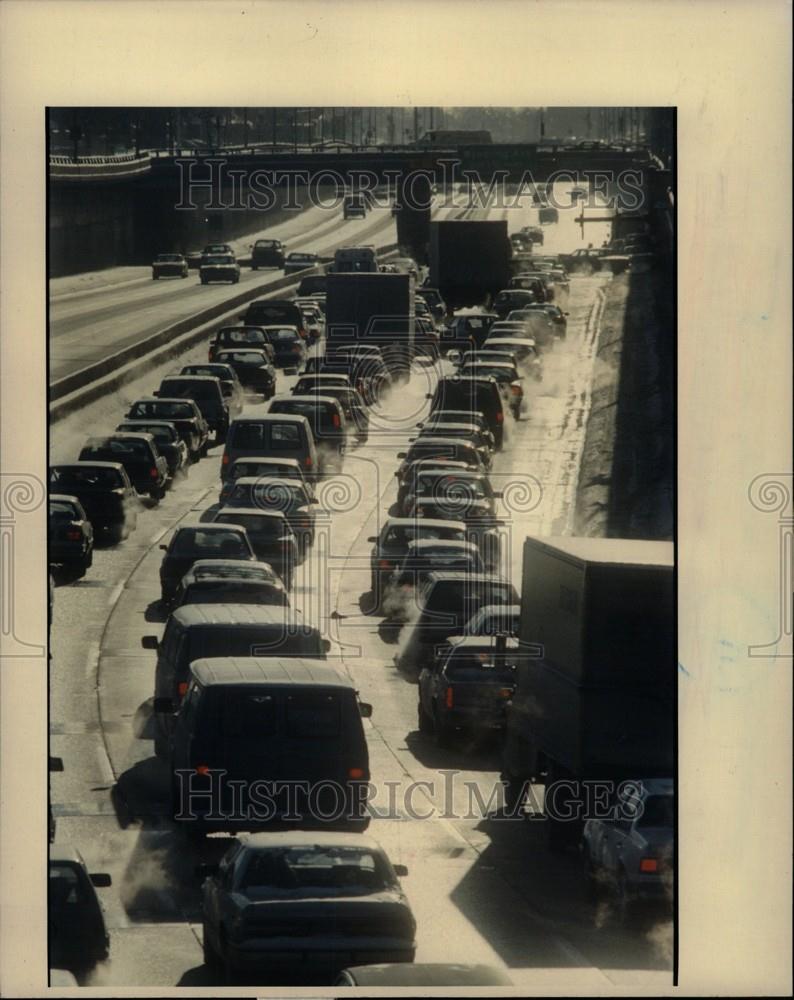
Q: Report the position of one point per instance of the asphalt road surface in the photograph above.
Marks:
(482, 889)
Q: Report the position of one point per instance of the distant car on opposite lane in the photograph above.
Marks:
(169, 265)
(267, 253)
(219, 267)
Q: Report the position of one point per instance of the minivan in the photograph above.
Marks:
(480, 394)
(286, 435)
(195, 631)
(327, 421)
(264, 727)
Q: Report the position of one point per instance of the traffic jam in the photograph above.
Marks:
(325, 587)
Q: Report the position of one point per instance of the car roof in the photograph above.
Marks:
(161, 399)
(428, 543)
(425, 431)
(271, 418)
(304, 397)
(245, 512)
(205, 527)
(237, 615)
(190, 378)
(63, 498)
(291, 484)
(123, 435)
(245, 565)
(439, 473)
(440, 439)
(297, 670)
(431, 522)
(428, 974)
(266, 460)
(309, 838)
(65, 852)
(116, 466)
(150, 422)
(485, 643)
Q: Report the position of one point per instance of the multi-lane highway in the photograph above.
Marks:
(483, 889)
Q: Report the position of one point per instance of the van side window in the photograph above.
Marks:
(313, 714)
(249, 436)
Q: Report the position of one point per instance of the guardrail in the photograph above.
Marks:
(80, 388)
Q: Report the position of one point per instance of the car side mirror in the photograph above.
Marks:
(163, 706)
(428, 395)
(365, 709)
(100, 879)
(401, 454)
(150, 642)
(55, 765)
(164, 548)
(372, 538)
(326, 645)
(400, 870)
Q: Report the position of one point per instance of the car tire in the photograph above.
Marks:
(254, 267)
(514, 791)
(425, 721)
(203, 281)
(441, 730)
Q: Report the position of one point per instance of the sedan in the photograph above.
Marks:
(252, 368)
(507, 378)
(295, 262)
(78, 937)
(182, 413)
(104, 491)
(299, 899)
(219, 267)
(267, 253)
(629, 854)
(390, 547)
(269, 534)
(230, 581)
(205, 541)
(138, 453)
(230, 384)
(169, 265)
(70, 535)
(290, 496)
(169, 443)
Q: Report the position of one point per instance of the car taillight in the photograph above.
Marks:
(500, 417)
(308, 462)
(649, 865)
(448, 698)
(153, 472)
(73, 536)
(202, 769)
(384, 564)
(516, 390)
(225, 459)
(504, 693)
(296, 348)
(182, 689)
(335, 420)
(355, 772)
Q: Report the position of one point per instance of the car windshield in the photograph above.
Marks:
(66, 888)
(255, 524)
(238, 570)
(241, 335)
(191, 541)
(76, 479)
(244, 357)
(193, 389)
(232, 592)
(169, 258)
(314, 413)
(299, 258)
(495, 623)
(316, 870)
(482, 665)
(118, 447)
(267, 244)
(457, 489)
(267, 494)
(498, 371)
(218, 259)
(178, 411)
(242, 468)
(60, 510)
(401, 535)
(454, 594)
(163, 435)
(657, 811)
(285, 334)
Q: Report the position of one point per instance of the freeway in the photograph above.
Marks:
(482, 889)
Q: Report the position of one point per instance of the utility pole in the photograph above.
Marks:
(295, 129)
(245, 127)
(416, 124)
(274, 126)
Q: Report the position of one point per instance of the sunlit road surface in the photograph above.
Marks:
(482, 889)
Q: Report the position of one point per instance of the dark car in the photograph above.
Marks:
(169, 443)
(480, 394)
(206, 392)
(468, 687)
(169, 265)
(533, 233)
(262, 466)
(438, 447)
(313, 284)
(295, 262)
(423, 974)
(193, 258)
(268, 493)
(70, 535)
(267, 253)
(78, 937)
(269, 534)
(435, 302)
(558, 318)
(459, 485)
(138, 453)
(231, 581)
(481, 439)
(446, 602)
(230, 383)
(371, 369)
(540, 283)
(182, 413)
(494, 619)
(289, 347)
(466, 330)
(239, 338)
(278, 435)
(521, 350)
(264, 720)
(425, 556)
(204, 541)
(252, 368)
(354, 207)
(214, 248)
(516, 298)
(274, 312)
(281, 901)
(507, 377)
(219, 267)
(391, 545)
(104, 491)
(481, 525)
(350, 399)
(327, 421)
